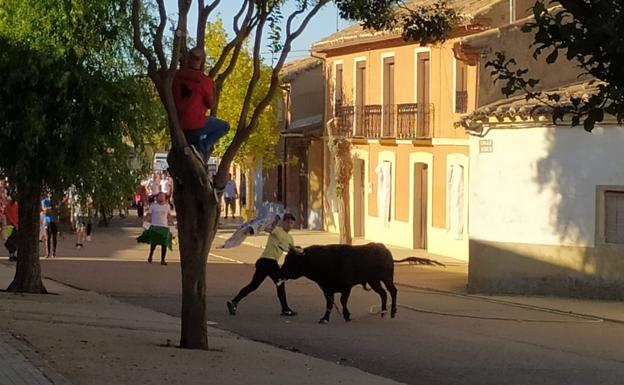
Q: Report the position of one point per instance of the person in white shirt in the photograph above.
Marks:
(157, 233)
(230, 194)
(153, 186)
(165, 184)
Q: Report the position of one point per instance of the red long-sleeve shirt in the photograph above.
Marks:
(193, 94)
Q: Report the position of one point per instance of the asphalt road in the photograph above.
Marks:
(435, 339)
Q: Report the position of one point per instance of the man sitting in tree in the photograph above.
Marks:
(194, 94)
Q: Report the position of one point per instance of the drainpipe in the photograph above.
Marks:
(323, 58)
(287, 113)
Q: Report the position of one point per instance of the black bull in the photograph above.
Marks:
(337, 268)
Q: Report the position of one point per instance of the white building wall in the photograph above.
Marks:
(538, 185)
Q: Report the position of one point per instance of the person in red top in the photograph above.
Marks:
(12, 219)
(194, 94)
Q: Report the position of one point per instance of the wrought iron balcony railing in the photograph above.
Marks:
(400, 121)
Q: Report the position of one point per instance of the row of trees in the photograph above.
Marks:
(75, 109)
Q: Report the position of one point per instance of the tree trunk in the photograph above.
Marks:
(197, 212)
(250, 189)
(340, 148)
(344, 216)
(28, 271)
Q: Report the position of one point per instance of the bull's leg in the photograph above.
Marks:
(344, 298)
(376, 285)
(393, 294)
(329, 297)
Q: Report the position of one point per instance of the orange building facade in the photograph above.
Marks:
(398, 102)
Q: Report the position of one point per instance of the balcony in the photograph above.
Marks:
(398, 121)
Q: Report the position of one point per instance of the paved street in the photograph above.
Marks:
(438, 337)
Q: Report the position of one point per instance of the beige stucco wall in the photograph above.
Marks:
(448, 142)
(399, 231)
(306, 94)
(517, 268)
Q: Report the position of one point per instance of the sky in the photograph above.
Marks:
(323, 24)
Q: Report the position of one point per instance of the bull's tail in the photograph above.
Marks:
(420, 261)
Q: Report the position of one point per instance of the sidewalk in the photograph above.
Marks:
(92, 340)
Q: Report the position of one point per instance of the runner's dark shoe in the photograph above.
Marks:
(289, 313)
(231, 306)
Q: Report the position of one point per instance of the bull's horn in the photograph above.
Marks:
(280, 282)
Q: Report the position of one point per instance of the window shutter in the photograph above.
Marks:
(614, 217)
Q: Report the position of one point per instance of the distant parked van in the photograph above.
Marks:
(160, 161)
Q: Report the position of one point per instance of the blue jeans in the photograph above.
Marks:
(207, 136)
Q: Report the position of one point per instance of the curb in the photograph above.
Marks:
(512, 303)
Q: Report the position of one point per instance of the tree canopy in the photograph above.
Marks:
(260, 144)
(74, 107)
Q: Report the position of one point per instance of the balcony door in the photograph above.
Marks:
(388, 97)
(360, 96)
(423, 93)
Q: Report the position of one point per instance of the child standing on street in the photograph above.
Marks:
(159, 217)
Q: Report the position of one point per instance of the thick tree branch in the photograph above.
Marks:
(237, 41)
(244, 128)
(158, 40)
(235, 25)
(179, 38)
(203, 12)
(136, 38)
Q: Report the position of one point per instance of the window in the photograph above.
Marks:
(423, 94)
(338, 86)
(360, 97)
(388, 97)
(461, 87)
(614, 216)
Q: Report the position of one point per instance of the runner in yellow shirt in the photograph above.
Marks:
(267, 265)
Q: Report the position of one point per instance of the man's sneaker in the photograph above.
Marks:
(231, 307)
(289, 313)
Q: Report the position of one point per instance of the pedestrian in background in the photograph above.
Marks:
(50, 209)
(153, 186)
(157, 230)
(11, 218)
(230, 194)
